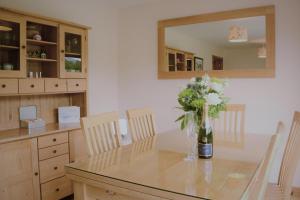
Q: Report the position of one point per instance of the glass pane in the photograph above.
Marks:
(9, 45)
(73, 52)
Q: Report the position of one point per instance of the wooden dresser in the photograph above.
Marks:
(43, 62)
(32, 164)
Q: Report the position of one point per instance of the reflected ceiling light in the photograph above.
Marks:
(262, 52)
(237, 34)
(5, 28)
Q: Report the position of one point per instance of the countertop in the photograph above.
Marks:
(13, 135)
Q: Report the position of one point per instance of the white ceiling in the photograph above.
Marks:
(217, 32)
(128, 3)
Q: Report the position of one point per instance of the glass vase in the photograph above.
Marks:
(191, 131)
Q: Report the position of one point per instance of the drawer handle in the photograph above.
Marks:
(36, 173)
(77, 84)
(54, 140)
(56, 85)
(57, 189)
(54, 151)
(55, 168)
(32, 86)
(3, 86)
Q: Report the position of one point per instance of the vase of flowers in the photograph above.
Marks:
(202, 100)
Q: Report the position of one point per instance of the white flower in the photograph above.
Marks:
(213, 99)
(193, 80)
(217, 87)
(205, 80)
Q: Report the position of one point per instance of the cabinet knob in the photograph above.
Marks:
(57, 189)
(63, 51)
(32, 86)
(36, 173)
(3, 86)
(55, 168)
(54, 140)
(77, 84)
(23, 46)
(54, 151)
(56, 85)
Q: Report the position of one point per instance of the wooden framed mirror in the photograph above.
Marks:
(233, 44)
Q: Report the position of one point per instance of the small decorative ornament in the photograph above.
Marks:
(37, 37)
(43, 54)
(202, 99)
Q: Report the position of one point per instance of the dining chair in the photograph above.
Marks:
(141, 123)
(229, 127)
(102, 132)
(283, 188)
(258, 186)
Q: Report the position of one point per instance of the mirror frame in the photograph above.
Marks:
(268, 71)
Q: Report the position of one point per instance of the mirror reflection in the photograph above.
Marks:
(234, 44)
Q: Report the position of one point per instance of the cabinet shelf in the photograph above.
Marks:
(41, 60)
(40, 42)
(72, 54)
(8, 47)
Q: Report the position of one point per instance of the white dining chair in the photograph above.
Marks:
(141, 123)
(229, 127)
(102, 132)
(258, 186)
(283, 188)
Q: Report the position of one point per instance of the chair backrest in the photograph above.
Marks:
(258, 185)
(290, 157)
(102, 132)
(141, 123)
(229, 127)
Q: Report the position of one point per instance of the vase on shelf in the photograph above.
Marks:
(205, 136)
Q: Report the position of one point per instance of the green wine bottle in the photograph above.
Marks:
(205, 136)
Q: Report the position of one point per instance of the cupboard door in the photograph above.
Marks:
(12, 45)
(78, 148)
(19, 177)
(73, 49)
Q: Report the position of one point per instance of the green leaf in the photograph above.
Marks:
(179, 118)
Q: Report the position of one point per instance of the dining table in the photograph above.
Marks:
(156, 168)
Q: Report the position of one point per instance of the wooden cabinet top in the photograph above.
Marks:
(24, 133)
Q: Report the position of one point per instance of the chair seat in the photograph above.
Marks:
(274, 192)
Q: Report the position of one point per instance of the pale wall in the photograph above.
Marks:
(242, 58)
(267, 100)
(103, 43)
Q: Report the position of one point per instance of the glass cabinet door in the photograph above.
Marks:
(12, 46)
(72, 52)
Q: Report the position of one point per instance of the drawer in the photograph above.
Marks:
(56, 189)
(55, 85)
(31, 85)
(8, 86)
(53, 151)
(53, 168)
(110, 192)
(53, 139)
(75, 85)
